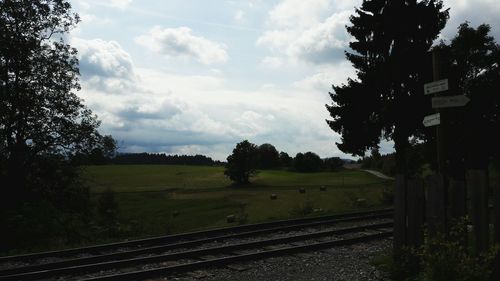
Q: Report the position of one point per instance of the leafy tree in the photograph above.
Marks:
(103, 152)
(308, 162)
(333, 163)
(269, 157)
(391, 41)
(43, 123)
(285, 159)
(40, 113)
(242, 163)
(477, 69)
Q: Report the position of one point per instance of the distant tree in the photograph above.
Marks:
(333, 163)
(163, 159)
(269, 157)
(389, 51)
(285, 159)
(308, 162)
(103, 151)
(242, 163)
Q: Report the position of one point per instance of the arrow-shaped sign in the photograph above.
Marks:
(432, 120)
(449, 101)
(436, 87)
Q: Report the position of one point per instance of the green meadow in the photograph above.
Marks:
(160, 199)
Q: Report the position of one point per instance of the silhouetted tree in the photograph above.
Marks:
(308, 162)
(242, 163)
(43, 123)
(476, 58)
(163, 159)
(391, 41)
(269, 157)
(285, 159)
(333, 163)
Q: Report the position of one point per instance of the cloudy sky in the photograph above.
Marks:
(197, 76)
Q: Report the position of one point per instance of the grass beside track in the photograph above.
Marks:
(202, 197)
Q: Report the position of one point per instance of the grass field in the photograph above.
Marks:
(202, 197)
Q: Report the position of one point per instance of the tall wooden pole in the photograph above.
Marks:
(437, 73)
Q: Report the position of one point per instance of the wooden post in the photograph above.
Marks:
(457, 199)
(478, 187)
(436, 208)
(399, 214)
(415, 201)
(496, 190)
(437, 74)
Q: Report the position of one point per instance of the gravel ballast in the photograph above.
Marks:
(349, 263)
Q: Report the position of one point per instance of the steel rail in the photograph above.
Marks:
(165, 271)
(176, 237)
(188, 254)
(186, 244)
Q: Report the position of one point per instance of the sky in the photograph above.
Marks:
(197, 77)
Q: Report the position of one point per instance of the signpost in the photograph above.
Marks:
(436, 87)
(449, 101)
(432, 120)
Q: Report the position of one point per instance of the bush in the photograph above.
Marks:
(444, 258)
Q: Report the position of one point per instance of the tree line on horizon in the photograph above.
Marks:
(247, 158)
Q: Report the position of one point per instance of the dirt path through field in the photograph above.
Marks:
(378, 174)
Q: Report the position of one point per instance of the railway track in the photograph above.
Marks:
(162, 256)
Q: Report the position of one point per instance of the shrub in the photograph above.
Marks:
(444, 258)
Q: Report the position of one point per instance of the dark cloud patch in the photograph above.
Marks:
(160, 138)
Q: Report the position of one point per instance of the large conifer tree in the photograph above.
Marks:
(389, 52)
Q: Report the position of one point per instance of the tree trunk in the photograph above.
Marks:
(401, 145)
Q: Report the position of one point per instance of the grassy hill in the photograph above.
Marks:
(159, 199)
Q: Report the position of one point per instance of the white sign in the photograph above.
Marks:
(436, 87)
(450, 101)
(432, 120)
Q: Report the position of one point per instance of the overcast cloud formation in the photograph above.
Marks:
(196, 77)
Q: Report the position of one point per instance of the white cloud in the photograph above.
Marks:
(326, 77)
(88, 4)
(180, 42)
(239, 16)
(476, 12)
(93, 19)
(103, 59)
(307, 32)
(272, 62)
(120, 3)
(298, 13)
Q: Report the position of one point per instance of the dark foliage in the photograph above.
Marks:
(242, 163)
(103, 152)
(333, 163)
(43, 125)
(107, 210)
(269, 157)
(386, 100)
(163, 159)
(476, 67)
(308, 162)
(285, 159)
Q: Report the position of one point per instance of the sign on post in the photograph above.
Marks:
(449, 101)
(432, 120)
(436, 87)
